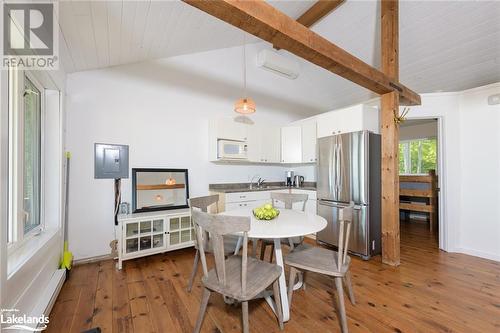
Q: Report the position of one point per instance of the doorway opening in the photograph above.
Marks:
(419, 173)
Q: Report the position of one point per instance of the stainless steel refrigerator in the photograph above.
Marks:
(349, 170)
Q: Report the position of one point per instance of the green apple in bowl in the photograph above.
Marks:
(265, 212)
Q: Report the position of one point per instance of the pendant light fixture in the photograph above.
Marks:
(244, 105)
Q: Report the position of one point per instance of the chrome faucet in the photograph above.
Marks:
(259, 182)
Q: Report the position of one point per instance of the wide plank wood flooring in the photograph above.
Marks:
(432, 291)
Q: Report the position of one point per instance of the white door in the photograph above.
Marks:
(255, 153)
(291, 144)
(309, 141)
(329, 124)
(352, 119)
(270, 144)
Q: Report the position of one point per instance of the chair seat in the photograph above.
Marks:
(316, 259)
(260, 275)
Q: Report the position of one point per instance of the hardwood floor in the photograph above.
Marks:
(432, 291)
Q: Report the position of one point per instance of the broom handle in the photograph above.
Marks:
(66, 200)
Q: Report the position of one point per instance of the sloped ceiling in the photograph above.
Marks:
(444, 45)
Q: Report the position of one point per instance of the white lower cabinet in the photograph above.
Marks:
(145, 234)
(241, 200)
(310, 204)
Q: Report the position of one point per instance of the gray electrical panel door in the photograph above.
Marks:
(110, 161)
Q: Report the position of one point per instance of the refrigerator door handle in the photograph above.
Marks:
(337, 166)
(340, 164)
(337, 204)
(330, 170)
(333, 172)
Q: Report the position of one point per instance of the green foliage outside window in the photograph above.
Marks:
(417, 156)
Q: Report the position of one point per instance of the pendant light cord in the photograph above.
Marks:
(244, 67)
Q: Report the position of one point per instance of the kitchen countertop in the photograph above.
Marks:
(245, 187)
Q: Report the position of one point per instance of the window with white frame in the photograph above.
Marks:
(417, 156)
(25, 156)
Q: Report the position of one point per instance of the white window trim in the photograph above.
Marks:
(18, 238)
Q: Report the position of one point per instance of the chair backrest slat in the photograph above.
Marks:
(345, 221)
(289, 199)
(202, 203)
(199, 240)
(218, 226)
(244, 264)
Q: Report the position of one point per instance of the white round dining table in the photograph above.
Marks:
(289, 223)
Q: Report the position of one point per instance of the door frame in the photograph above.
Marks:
(442, 222)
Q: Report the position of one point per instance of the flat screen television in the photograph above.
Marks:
(159, 189)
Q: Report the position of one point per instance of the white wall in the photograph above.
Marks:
(480, 173)
(470, 178)
(161, 110)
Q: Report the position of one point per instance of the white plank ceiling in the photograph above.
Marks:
(100, 34)
(444, 46)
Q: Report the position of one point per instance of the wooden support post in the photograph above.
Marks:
(390, 180)
(390, 135)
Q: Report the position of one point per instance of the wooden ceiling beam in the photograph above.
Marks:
(264, 21)
(317, 11)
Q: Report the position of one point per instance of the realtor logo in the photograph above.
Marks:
(30, 37)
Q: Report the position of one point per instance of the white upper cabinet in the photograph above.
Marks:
(263, 144)
(228, 129)
(295, 143)
(255, 143)
(291, 144)
(270, 144)
(351, 119)
(309, 139)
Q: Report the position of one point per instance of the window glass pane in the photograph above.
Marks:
(429, 156)
(417, 156)
(402, 158)
(414, 146)
(31, 156)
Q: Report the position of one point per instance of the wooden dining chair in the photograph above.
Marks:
(202, 203)
(239, 277)
(327, 262)
(288, 199)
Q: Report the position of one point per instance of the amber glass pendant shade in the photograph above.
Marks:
(244, 106)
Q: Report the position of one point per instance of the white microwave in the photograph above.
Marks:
(229, 149)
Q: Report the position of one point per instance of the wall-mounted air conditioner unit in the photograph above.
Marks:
(279, 64)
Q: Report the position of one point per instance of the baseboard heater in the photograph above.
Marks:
(49, 297)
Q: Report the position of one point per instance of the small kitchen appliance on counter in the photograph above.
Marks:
(289, 178)
(298, 181)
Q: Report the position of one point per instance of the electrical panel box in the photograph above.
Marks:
(110, 161)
